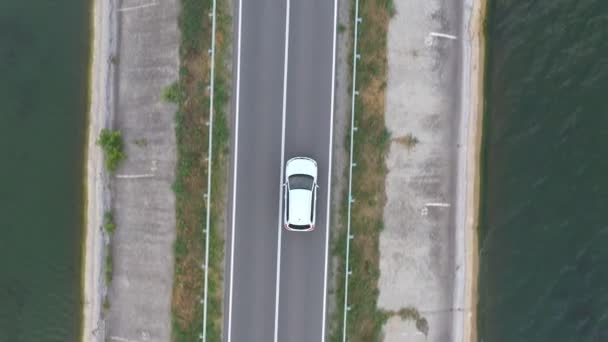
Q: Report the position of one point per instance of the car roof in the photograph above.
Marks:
(300, 206)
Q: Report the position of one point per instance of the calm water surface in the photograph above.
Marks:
(43, 97)
(544, 226)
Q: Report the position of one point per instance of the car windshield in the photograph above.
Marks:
(300, 182)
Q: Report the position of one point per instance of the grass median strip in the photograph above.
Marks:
(371, 142)
(191, 94)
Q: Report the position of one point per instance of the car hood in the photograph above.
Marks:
(300, 201)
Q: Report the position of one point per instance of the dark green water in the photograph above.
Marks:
(544, 225)
(44, 51)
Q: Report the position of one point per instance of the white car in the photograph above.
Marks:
(300, 191)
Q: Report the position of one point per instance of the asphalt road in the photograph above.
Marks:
(308, 133)
(275, 279)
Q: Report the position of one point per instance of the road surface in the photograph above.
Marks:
(284, 76)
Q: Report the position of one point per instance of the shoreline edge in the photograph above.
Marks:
(99, 116)
(473, 167)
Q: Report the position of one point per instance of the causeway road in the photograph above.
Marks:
(284, 66)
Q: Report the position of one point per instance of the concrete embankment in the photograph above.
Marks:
(428, 247)
(135, 55)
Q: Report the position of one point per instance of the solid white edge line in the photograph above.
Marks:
(331, 138)
(279, 228)
(235, 170)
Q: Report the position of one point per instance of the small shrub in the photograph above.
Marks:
(143, 142)
(191, 25)
(413, 314)
(106, 304)
(181, 249)
(390, 7)
(409, 140)
(172, 93)
(341, 28)
(111, 143)
(108, 222)
(178, 187)
(108, 270)
(383, 139)
(183, 72)
(423, 326)
(221, 132)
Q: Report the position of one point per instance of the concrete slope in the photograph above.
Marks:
(418, 264)
(144, 206)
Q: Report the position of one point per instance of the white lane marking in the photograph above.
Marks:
(125, 9)
(442, 35)
(143, 175)
(331, 138)
(437, 204)
(236, 153)
(430, 39)
(121, 339)
(280, 228)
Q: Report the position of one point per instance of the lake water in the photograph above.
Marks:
(44, 51)
(544, 225)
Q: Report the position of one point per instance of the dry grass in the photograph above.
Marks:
(371, 143)
(412, 314)
(409, 141)
(191, 176)
(190, 207)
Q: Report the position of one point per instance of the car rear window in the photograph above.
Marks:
(299, 226)
(300, 182)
